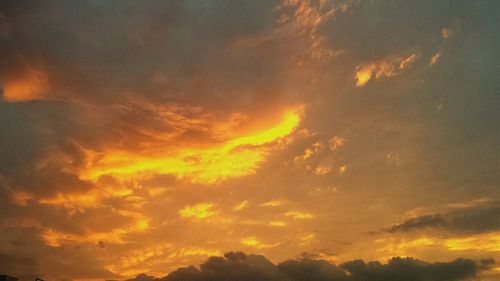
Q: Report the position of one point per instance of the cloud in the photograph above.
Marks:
(297, 215)
(198, 211)
(116, 86)
(435, 58)
(240, 206)
(476, 219)
(387, 67)
(242, 267)
(236, 156)
(28, 84)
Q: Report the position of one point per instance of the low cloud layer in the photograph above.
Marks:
(242, 267)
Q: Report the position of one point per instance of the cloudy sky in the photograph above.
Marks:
(145, 136)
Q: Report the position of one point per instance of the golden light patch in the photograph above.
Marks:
(485, 242)
(143, 224)
(488, 242)
(240, 206)
(403, 246)
(237, 157)
(342, 169)
(322, 170)
(31, 84)
(255, 243)
(277, 223)
(199, 211)
(273, 203)
(296, 215)
(316, 148)
(336, 142)
(250, 241)
(364, 74)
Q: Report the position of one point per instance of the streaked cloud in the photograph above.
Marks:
(435, 58)
(476, 219)
(387, 67)
(240, 206)
(297, 215)
(273, 203)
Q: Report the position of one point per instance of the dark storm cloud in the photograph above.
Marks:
(475, 219)
(239, 266)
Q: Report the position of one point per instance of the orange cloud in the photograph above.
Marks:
(30, 84)
(388, 67)
(337, 142)
(240, 206)
(236, 157)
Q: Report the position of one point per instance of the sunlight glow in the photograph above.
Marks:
(238, 157)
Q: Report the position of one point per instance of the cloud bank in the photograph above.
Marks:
(476, 219)
(242, 267)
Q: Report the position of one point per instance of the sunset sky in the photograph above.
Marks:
(145, 136)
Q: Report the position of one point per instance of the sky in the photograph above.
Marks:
(263, 140)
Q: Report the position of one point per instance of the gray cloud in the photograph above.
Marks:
(242, 267)
(475, 219)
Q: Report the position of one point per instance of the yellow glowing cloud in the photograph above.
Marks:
(255, 243)
(31, 84)
(322, 170)
(310, 151)
(342, 169)
(387, 67)
(485, 242)
(273, 203)
(237, 157)
(199, 211)
(364, 74)
(277, 223)
(488, 242)
(296, 215)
